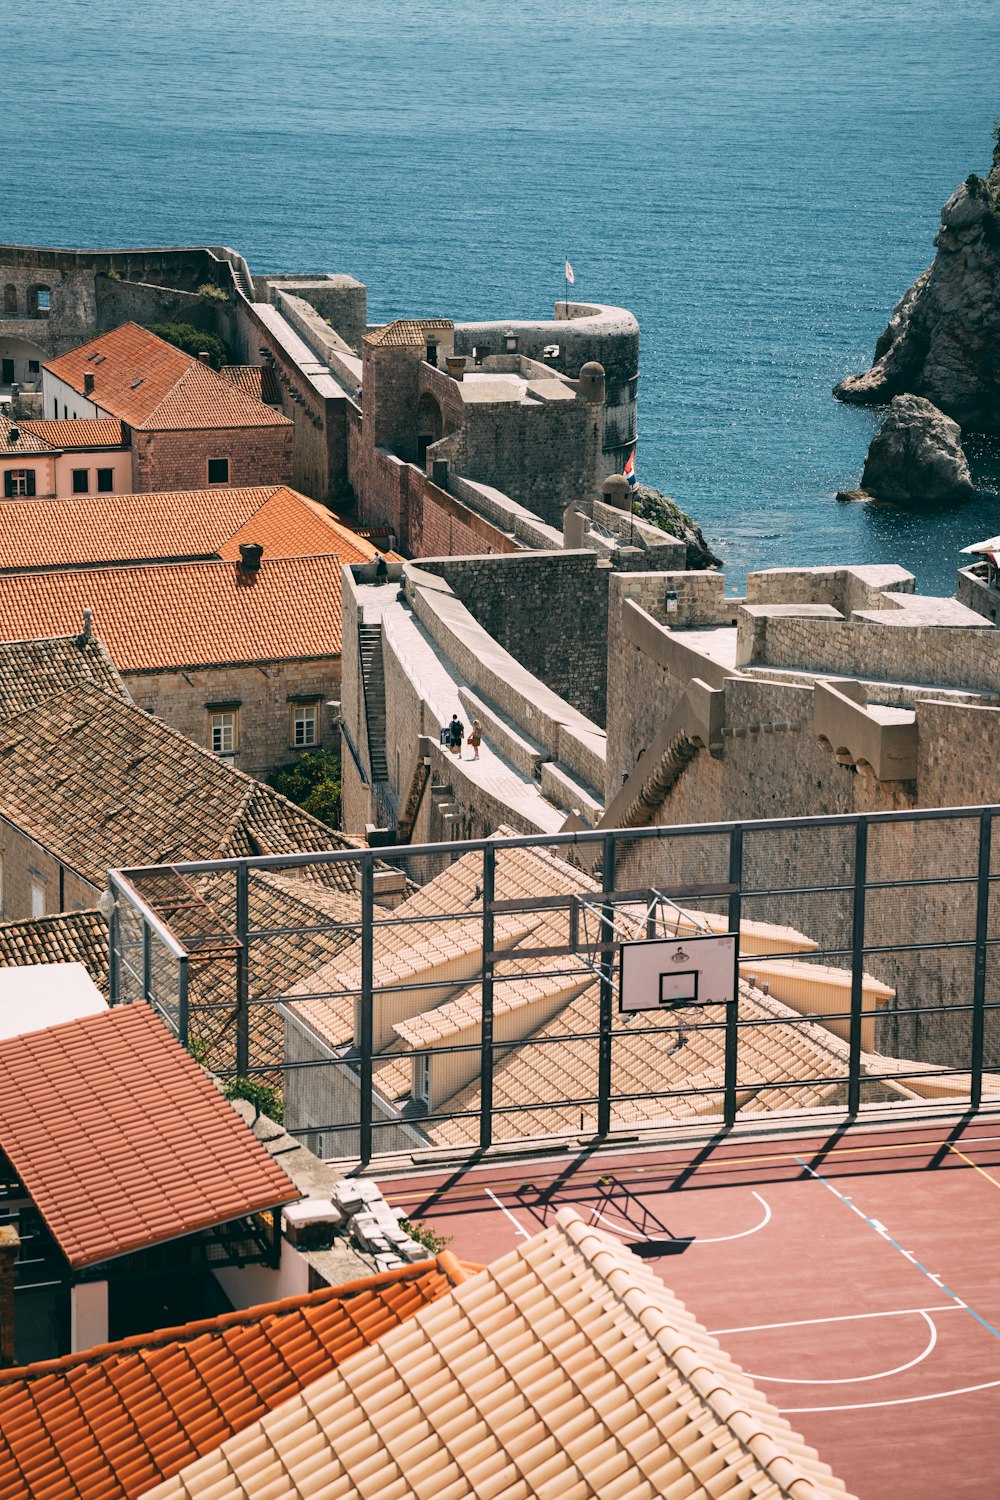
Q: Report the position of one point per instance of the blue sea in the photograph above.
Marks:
(758, 180)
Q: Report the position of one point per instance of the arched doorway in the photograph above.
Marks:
(430, 425)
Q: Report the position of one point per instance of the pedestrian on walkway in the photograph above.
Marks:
(476, 738)
(456, 729)
(381, 568)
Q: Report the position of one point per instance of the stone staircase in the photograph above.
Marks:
(373, 677)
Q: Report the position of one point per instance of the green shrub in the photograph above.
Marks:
(193, 341)
(215, 292)
(312, 781)
(424, 1235)
(263, 1096)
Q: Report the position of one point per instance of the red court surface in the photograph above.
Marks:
(855, 1276)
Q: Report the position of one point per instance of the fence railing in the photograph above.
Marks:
(465, 995)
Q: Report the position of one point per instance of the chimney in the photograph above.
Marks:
(455, 364)
(10, 1244)
(204, 356)
(250, 556)
(14, 433)
(88, 383)
(87, 634)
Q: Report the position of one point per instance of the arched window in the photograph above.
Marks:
(10, 300)
(39, 300)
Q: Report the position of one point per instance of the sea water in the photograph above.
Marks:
(758, 180)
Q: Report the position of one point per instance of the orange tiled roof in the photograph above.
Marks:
(258, 381)
(158, 527)
(186, 614)
(27, 442)
(96, 432)
(122, 1141)
(566, 1368)
(107, 1423)
(408, 333)
(150, 384)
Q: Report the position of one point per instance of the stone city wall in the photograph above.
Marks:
(846, 589)
(549, 610)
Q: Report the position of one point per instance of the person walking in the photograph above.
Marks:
(476, 738)
(381, 568)
(456, 729)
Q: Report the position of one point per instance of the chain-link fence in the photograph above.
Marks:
(456, 997)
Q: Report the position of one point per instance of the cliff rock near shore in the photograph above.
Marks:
(916, 456)
(650, 505)
(943, 339)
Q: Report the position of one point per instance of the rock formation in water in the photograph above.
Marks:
(659, 510)
(916, 456)
(943, 339)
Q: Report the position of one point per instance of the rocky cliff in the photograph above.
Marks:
(653, 506)
(916, 456)
(943, 339)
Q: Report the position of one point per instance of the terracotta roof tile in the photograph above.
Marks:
(33, 670)
(408, 333)
(192, 613)
(96, 432)
(27, 442)
(161, 1155)
(170, 526)
(565, 1368)
(107, 1423)
(149, 384)
(258, 381)
(100, 783)
(68, 937)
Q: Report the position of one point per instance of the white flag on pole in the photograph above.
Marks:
(569, 274)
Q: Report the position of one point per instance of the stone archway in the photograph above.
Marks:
(430, 425)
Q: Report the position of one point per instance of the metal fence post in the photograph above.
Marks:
(242, 971)
(606, 1013)
(733, 1007)
(114, 952)
(367, 1018)
(486, 1047)
(857, 964)
(979, 976)
(147, 964)
(182, 1001)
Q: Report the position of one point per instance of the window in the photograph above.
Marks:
(33, 367)
(422, 1079)
(18, 482)
(222, 728)
(105, 481)
(39, 301)
(38, 898)
(81, 481)
(218, 471)
(304, 724)
(44, 301)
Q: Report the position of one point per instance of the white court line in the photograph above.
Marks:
(962, 1390)
(895, 1312)
(719, 1239)
(856, 1379)
(522, 1232)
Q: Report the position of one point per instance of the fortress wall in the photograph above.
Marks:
(846, 589)
(505, 513)
(962, 657)
(549, 610)
(441, 526)
(542, 456)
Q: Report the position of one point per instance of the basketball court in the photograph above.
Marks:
(853, 1273)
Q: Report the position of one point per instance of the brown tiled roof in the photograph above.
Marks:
(100, 783)
(258, 381)
(107, 1423)
(27, 442)
(186, 614)
(90, 432)
(33, 670)
(71, 937)
(408, 333)
(149, 384)
(566, 1368)
(122, 1141)
(170, 526)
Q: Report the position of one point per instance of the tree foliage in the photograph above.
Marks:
(193, 341)
(312, 781)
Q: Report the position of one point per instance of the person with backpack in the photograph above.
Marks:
(456, 729)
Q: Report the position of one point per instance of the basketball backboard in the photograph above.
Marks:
(670, 973)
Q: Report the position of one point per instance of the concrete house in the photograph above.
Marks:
(58, 459)
(186, 426)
